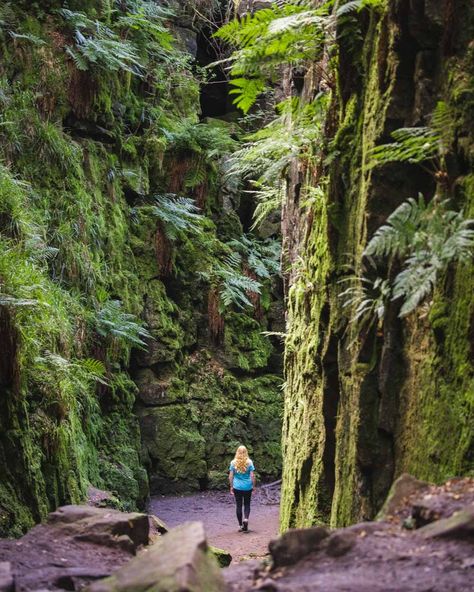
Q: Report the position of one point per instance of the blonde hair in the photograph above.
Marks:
(241, 460)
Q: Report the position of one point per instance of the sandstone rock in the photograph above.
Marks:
(178, 562)
(295, 544)
(7, 583)
(460, 525)
(224, 558)
(341, 542)
(102, 526)
(403, 487)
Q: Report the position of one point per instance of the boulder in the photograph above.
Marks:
(460, 525)
(7, 583)
(102, 526)
(404, 487)
(340, 542)
(294, 544)
(178, 562)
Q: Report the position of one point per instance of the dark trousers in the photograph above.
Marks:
(242, 497)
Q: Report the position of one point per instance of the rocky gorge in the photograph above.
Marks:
(227, 222)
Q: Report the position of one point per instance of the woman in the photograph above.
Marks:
(242, 481)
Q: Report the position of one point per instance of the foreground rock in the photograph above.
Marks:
(382, 556)
(103, 550)
(77, 545)
(180, 562)
(102, 526)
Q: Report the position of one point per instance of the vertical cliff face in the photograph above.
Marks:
(364, 405)
(119, 350)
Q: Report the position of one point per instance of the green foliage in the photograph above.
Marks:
(234, 286)
(97, 45)
(367, 299)
(262, 257)
(177, 214)
(413, 144)
(425, 238)
(213, 141)
(420, 144)
(290, 33)
(113, 321)
(297, 133)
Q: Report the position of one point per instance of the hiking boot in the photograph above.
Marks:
(245, 525)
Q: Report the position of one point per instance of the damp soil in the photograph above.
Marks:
(216, 509)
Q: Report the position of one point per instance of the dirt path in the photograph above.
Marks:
(217, 511)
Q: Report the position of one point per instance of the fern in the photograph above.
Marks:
(113, 321)
(177, 214)
(367, 299)
(269, 201)
(288, 33)
(426, 239)
(98, 46)
(414, 145)
(262, 257)
(396, 237)
(10, 301)
(31, 38)
(234, 287)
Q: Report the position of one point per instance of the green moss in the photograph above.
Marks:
(245, 346)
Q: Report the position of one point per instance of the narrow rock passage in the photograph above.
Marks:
(217, 511)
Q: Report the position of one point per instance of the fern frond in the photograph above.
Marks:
(414, 145)
(178, 214)
(112, 321)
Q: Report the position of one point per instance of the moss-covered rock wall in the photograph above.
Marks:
(363, 407)
(99, 112)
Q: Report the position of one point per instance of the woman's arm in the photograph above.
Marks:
(231, 482)
(252, 476)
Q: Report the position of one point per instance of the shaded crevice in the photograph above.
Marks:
(331, 395)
